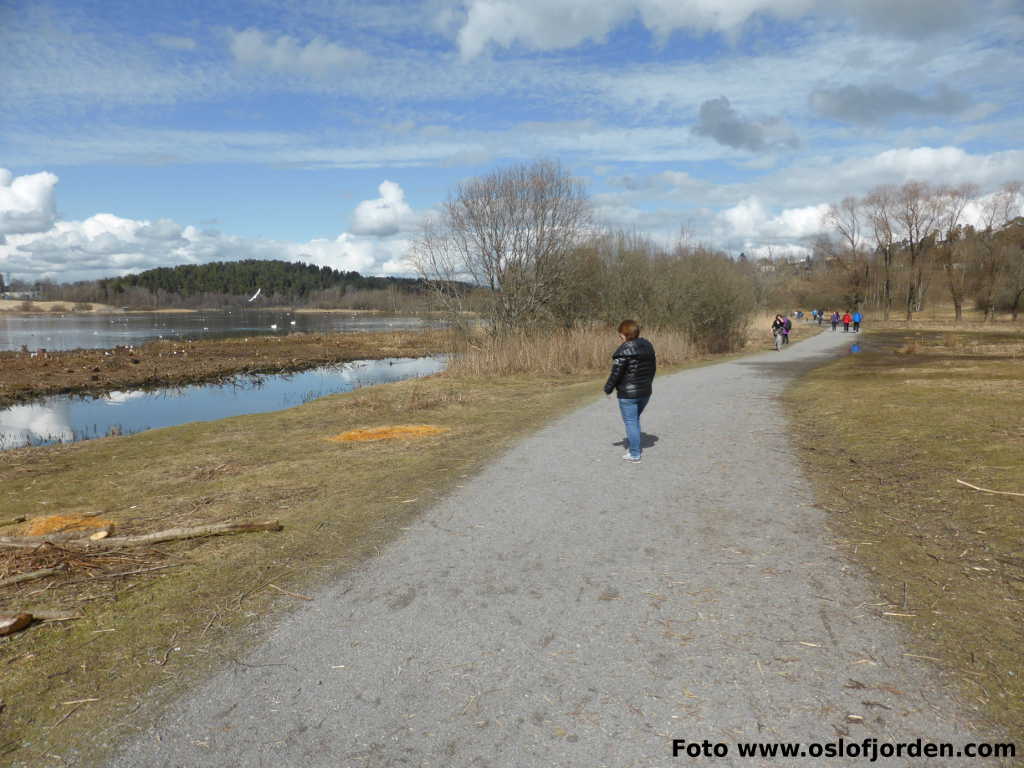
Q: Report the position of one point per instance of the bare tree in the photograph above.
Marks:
(510, 231)
(1015, 268)
(916, 214)
(993, 248)
(951, 252)
(847, 219)
(880, 205)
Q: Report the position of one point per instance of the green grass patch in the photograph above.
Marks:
(885, 434)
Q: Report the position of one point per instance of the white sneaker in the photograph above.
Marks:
(627, 457)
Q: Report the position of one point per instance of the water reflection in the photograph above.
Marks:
(854, 349)
(80, 331)
(70, 419)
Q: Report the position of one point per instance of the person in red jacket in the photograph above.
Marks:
(847, 319)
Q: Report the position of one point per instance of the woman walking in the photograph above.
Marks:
(777, 328)
(633, 367)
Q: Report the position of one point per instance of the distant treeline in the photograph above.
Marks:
(234, 282)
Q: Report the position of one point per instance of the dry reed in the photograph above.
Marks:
(559, 352)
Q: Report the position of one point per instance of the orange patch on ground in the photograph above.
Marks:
(40, 526)
(403, 432)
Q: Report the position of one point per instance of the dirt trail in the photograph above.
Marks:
(567, 608)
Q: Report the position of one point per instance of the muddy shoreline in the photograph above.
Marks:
(170, 363)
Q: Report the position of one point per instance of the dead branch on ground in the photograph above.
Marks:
(989, 490)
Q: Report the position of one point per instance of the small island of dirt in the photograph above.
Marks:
(26, 376)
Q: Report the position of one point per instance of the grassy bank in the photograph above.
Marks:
(171, 363)
(886, 434)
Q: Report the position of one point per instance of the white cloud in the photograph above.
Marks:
(318, 58)
(750, 219)
(368, 256)
(105, 244)
(388, 215)
(26, 202)
(556, 24)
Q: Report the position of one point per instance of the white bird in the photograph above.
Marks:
(292, 322)
(273, 327)
(255, 295)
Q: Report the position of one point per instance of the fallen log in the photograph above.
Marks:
(30, 576)
(116, 542)
(176, 534)
(12, 521)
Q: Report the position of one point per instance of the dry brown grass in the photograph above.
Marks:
(885, 435)
(559, 353)
(11, 305)
(940, 317)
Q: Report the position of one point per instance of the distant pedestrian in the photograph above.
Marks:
(847, 319)
(821, 316)
(787, 326)
(777, 335)
(857, 317)
(633, 367)
(835, 320)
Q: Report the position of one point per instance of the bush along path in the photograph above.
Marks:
(568, 608)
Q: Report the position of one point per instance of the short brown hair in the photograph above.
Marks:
(629, 329)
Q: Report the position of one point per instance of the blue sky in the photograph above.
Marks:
(138, 134)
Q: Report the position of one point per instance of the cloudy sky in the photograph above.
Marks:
(137, 134)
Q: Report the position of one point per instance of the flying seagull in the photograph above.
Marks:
(255, 295)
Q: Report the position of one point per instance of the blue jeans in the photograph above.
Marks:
(631, 408)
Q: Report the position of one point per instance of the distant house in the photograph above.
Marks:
(20, 295)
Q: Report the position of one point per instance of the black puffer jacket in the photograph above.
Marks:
(633, 368)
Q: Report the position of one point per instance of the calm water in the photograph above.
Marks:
(69, 419)
(74, 331)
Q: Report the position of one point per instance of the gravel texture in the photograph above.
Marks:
(567, 608)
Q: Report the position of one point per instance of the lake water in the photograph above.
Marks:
(79, 331)
(69, 418)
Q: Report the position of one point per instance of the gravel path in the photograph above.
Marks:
(567, 608)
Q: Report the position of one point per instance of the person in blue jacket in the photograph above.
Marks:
(857, 317)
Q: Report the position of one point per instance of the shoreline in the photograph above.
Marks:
(45, 308)
(170, 363)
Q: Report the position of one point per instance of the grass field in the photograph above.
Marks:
(886, 434)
